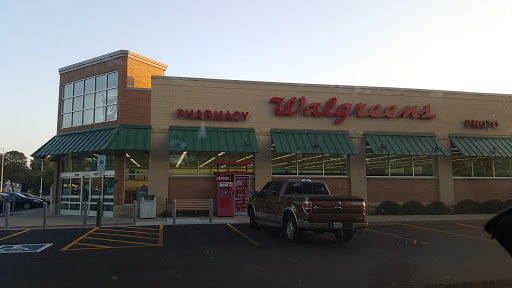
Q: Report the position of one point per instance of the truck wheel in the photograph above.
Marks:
(252, 218)
(291, 230)
(343, 236)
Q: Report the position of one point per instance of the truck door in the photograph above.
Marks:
(272, 203)
(259, 201)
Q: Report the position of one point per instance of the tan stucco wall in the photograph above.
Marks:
(452, 108)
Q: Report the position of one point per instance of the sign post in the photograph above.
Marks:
(102, 159)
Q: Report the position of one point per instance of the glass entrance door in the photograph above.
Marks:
(77, 189)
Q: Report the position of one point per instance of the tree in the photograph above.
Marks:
(15, 167)
(46, 174)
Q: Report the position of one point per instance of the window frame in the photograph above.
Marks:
(81, 95)
(434, 170)
(473, 168)
(323, 159)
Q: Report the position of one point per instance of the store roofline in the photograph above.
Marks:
(111, 56)
(324, 85)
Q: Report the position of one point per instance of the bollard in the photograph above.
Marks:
(84, 208)
(7, 214)
(13, 204)
(174, 211)
(99, 209)
(211, 210)
(3, 205)
(45, 214)
(134, 212)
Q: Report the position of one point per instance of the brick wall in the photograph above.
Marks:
(119, 177)
(402, 190)
(482, 189)
(142, 72)
(193, 188)
(135, 107)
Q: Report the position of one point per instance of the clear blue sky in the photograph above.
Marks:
(446, 45)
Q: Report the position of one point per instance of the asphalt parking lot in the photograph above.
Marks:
(420, 254)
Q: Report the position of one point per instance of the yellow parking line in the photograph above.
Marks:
(243, 235)
(119, 247)
(473, 226)
(449, 233)
(131, 227)
(93, 245)
(121, 241)
(397, 236)
(15, 234)
(161, 237)
(117, 230)
(122, 235)
(80, 238)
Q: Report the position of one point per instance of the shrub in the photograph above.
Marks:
(388, 208)
(508, 203)
(492, 206)
(413, 208)
(467, 207)
(437, 208)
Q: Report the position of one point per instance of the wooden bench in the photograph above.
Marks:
(191, 205)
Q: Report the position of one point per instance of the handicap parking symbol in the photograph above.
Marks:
(24, 248)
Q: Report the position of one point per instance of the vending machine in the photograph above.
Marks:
(233, 188)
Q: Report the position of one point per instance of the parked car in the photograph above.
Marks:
(35, 197)
(299, 205)
(22, 201)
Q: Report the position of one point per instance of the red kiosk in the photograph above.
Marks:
(232, 188)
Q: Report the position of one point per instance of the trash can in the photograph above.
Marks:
(148, 206)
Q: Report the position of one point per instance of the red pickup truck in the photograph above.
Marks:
(302, 204)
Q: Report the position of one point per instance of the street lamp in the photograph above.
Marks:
(41, 189)
(2, 178)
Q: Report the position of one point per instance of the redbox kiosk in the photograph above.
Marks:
(233, 188)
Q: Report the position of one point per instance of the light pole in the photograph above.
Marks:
(41, 189)
(2, 178)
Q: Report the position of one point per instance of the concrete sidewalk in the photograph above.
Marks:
(34, 219)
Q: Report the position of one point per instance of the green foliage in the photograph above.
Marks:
(388, 208)
(467, 207)
(437, 208)
(413, 208)
(492, 206)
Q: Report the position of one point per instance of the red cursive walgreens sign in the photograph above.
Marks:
(294, 106)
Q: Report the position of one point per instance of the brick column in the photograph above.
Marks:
(445, 174)
(159, 167)
(358, 186)
(263, 160)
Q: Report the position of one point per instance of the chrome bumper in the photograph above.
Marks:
(328, 226)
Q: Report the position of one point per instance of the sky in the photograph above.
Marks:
(441, 45)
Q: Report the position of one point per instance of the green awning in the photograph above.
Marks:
(405, 144)
(201, 139)
(483, 146)
(119, 137)
(313, 142)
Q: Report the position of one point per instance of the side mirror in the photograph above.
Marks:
(254, 194)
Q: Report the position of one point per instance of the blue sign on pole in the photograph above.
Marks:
(102, 160)
(23, 248)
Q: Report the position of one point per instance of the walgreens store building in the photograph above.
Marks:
(164, 136)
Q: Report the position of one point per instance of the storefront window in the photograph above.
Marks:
(81, 162)
(308, 164)
(480, 166)
(136, 176)
(503, 166)
(376, 165)
(400, 165)
(195, 163)
(79, 97)
(135, 186)
(397, 165)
